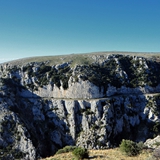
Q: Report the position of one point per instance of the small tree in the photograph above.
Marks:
(131, 148)
(80, 153)
(66, 149)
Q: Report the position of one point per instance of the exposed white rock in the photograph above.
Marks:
(153, 143)
(41, 116)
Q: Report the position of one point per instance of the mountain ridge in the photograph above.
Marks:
(92, 100)
(46, 58)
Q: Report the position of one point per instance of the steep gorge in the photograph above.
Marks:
(95, 104)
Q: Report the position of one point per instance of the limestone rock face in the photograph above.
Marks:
(153, 143)
(105, 76)
(46, 107)
(81, 89)
(14, 135)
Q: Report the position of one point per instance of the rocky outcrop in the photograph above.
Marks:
(15, 140)
(105, 76)
(45, 125)
(44, 108)
(153, 143)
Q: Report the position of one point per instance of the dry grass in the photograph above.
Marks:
(110, 154)
(79, 58)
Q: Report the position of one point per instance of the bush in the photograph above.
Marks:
(66, 149)
(140, 146)
(131, 148)
(80, 153)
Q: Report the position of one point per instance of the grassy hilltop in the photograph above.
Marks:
(80, 59)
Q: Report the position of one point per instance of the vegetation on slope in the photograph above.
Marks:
(109, 154)
(80, 59)
(115, 70)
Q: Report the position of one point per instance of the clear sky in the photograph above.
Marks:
(55, 27)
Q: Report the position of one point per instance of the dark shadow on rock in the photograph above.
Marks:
(136, 132)
(46, 136)
(97, 156)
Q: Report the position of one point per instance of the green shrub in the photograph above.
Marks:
(80, 153)
(157, 143)
(131, 148)
(43, 69)
(140, 146)
(156, 129)
(66, 149)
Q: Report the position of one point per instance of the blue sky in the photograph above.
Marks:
(55, 27)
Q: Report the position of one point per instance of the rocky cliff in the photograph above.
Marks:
(90, 100)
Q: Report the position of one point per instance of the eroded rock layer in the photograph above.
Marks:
(45, 107)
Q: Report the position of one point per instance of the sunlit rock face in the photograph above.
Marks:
(44, 107)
